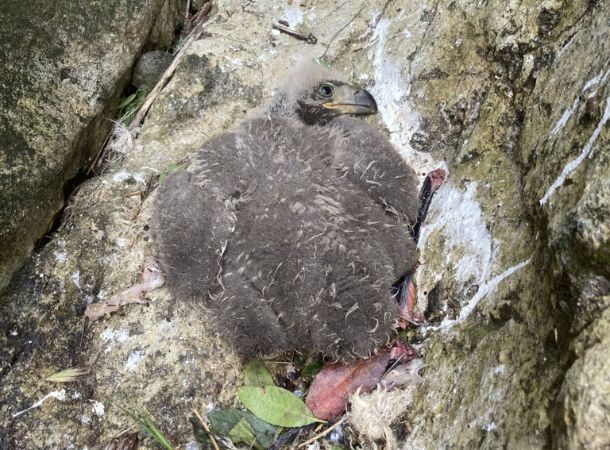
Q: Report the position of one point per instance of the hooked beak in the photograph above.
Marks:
(352, 100)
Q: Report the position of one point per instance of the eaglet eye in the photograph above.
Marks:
(326, 90)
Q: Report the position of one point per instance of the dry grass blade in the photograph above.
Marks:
(69, 375)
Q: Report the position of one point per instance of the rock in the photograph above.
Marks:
(584, 395)
(64, 68)
(518, 286)
(149, 68)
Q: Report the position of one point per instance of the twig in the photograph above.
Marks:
(309, 38)
(207, 429)
(188, 10)
(121, 433)
(169, 72)
(323, 433)
(101, 151)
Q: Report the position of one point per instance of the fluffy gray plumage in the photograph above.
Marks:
(293, 228)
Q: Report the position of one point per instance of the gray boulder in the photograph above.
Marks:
(149, 68)
(64, 66)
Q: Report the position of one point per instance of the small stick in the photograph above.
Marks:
(188, 10)
(323, 433)
(169, 72)
(207, 429)
(121, 433)
(309, 38)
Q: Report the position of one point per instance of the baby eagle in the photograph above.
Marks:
(293, 229)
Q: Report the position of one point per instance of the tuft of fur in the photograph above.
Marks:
(373, 414)
(302, 78)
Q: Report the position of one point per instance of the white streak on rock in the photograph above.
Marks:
(572, 165)
(499, 369)
(564, 118)
(596, 80)
(58, 395)
(76, 278)
(122, 176)
(484, 290)
(490, 427)
(60, 256)
(391, 91)
(459, 217)
(133, 360)
(109, 334)
(592, 82)
(455, 214)
(98, 408)
(293, 15)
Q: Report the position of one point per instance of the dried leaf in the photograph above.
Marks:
(330, 389)
(257, 375)
(276, 406)
(151, 278)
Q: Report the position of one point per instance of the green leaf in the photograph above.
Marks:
(127, 100)
(265, 433)
(224, 422)
(130, 104)
(311, 369)
(221, 421)
(257, 375)
(242, 432)
(276, 406)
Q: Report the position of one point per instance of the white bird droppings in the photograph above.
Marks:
(572, 165)
(484, 290)
(98, 408)
(58, 395)
(133, 360)
(459, 217)
(76, 278)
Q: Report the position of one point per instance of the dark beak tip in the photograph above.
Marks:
(374, 107)
(365, 98)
